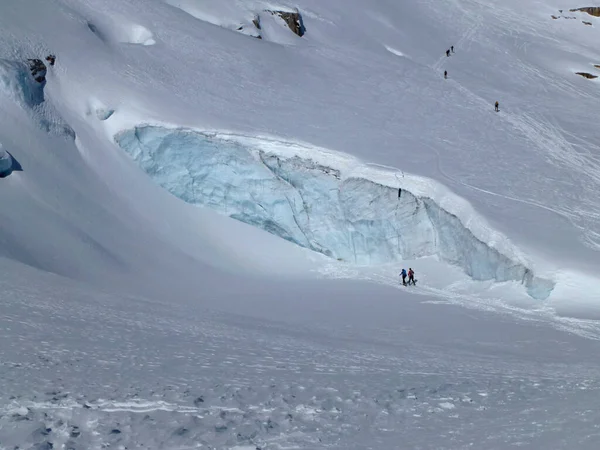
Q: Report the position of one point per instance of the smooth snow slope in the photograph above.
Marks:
(131, 318)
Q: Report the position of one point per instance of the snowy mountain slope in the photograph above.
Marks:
(132, 302)
(400, 374)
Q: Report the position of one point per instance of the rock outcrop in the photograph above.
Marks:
(591, 10)
(293, 20)
(38, 70)
(587, 75)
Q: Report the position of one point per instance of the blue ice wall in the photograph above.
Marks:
(354, 219)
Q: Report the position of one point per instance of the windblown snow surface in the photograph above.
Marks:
(201, 231)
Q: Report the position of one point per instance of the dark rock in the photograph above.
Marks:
(587, 75)
(198, 401)
(75, 433)
(38, 70)
(586, 23)
(293, 20)
(256, 22)
(115, 431)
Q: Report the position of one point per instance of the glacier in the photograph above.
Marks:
(352, 219)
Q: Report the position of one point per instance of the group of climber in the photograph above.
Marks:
(411, 277)
(448, 52)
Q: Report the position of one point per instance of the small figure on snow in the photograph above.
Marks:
(452, 48)
(51, 59)
(447, 52)
(411, 276)
(403, 275)
(445, 74)
(400, 194)
(497, 106)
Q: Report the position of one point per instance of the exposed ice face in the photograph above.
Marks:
(5, 162)
(17, 82)
(353, 219)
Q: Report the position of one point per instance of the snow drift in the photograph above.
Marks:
(316, 206)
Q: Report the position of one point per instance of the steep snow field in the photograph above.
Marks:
(201, 231)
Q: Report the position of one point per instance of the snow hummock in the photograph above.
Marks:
(99, 109)
(114, 30)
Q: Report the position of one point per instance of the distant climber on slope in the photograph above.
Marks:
(403, 275)
(445, 74)
(497, 107)
(452, 48)
(447, 52)
(411, 276)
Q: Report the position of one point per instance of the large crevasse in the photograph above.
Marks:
(351, 219)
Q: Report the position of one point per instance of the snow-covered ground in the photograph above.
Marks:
(201, 231)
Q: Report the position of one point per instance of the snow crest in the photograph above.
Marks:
(315, 206)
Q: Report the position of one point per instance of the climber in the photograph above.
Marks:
(403, 275)
(497, 106)
(399, 192)
(447, 52)
(452, 48)
(411, 276)
(445, 74)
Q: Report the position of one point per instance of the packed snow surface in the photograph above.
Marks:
(201, 231)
